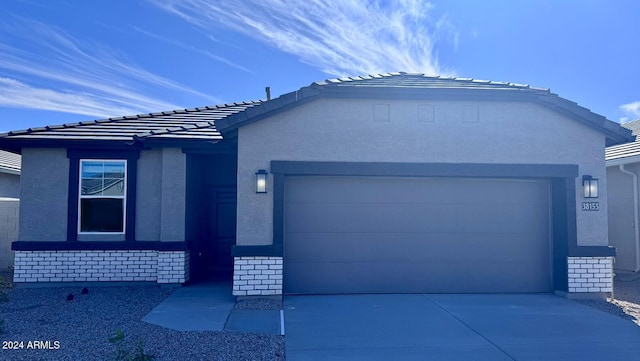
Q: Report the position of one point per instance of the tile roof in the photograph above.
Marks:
(194, 124)
(624, 151)
(210, 123)
(421, 86)
(10, 162)
(634, 126)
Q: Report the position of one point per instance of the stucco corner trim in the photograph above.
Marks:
(98, 246)
(592, 251)
(257, 251)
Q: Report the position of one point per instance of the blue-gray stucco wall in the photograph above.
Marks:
(160, 199)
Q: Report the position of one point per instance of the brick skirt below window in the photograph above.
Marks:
(101, 266)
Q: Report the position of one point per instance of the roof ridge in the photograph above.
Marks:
(402, 74)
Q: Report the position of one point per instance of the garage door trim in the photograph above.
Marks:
(562, 176)
(474, 170)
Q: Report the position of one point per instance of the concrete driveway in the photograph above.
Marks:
(454, 327)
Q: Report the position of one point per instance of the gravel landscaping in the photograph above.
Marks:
(626, 302)
(83, 327)
(259, 304)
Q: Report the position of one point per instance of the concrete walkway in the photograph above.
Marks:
(454, 327)
(210, 307)
(203, 307)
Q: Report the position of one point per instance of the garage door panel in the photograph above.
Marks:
(416, 277)
(379, 235)
(413, 190)
(373, 247)
(426, 218)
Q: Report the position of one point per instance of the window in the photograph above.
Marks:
(102, 196)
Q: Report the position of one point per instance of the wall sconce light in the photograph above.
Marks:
(590, 186)
(261, 181)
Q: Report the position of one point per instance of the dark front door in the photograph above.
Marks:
(222, 230)
(212, 251)
(211, 214)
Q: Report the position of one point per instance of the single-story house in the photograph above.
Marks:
(392, 183)
(623, 170)
(9, 205)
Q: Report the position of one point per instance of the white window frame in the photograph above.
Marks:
(123, 197)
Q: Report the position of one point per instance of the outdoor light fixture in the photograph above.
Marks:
(590, 186)
(261, 181)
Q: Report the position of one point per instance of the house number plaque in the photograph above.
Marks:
(591, 206)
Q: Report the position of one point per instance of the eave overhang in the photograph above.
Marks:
(614, 133)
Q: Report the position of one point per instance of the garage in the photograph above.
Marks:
(361, 234)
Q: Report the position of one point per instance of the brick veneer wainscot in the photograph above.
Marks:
(101, 266)
(257, 276)
(590, 274)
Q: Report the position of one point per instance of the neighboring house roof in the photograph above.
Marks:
(196, 124)
(628, 152)
(424, 87)
(10, 162)
(206, 124)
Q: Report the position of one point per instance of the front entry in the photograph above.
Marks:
(221, 233)
(212, 250)
(211, 215)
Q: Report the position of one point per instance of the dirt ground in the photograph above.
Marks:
(626, 298)
(627, 295)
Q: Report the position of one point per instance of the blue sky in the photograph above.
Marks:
(68, 61)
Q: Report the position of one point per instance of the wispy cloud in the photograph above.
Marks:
(338, 37)
(95, 80)
(17, 94)
(631, 111)
(192, 48)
